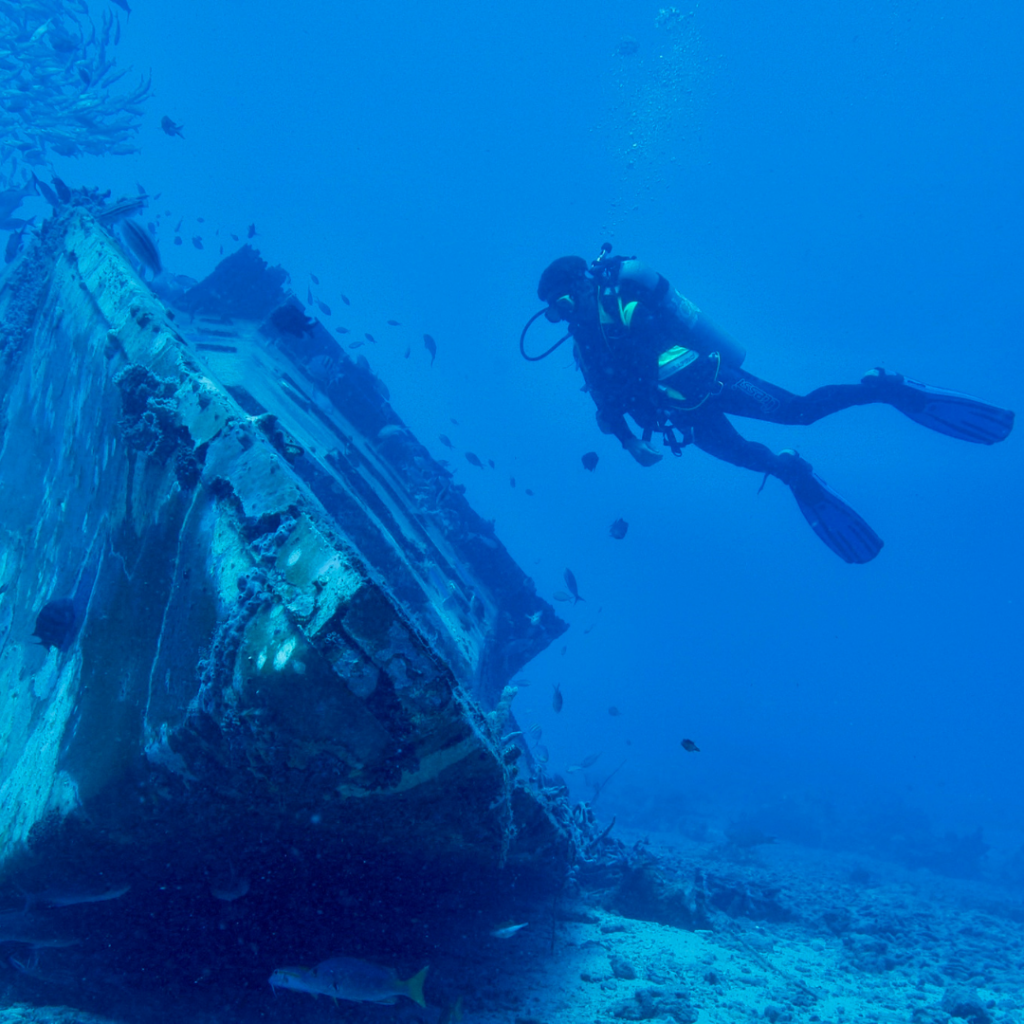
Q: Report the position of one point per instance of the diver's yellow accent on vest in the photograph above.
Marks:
(606, 319)
(674, 359)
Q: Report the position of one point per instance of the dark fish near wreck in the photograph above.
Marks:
(341, 330)
(370, 338)
(474, 460)
(589, 461)
(355, 980)
(170, 127)
(63, 192)
(55, 623)
(141, 243)
(323, 307)
(344, 299)
(12, 247)
(46, 192)
(445, 440)
(309, 296)
(618, 529)
(511, 481)
(557, 700)
(431, 347)
(197, 242)
(251, 231)
(314, 278)
(690, 746)
(570, 582)
(614, 711)
(394, 323)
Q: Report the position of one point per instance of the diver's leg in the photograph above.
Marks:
(743, 394)
(838, 525)
(714, 434)
(947, 412)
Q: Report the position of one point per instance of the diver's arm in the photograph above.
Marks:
(637, 447)
(614, 424)
(611, 407)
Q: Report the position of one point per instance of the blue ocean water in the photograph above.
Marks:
(838, 186)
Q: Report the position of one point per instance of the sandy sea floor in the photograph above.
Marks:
(777, 933)
(829, 938)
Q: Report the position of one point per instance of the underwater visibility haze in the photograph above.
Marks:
(837, 187)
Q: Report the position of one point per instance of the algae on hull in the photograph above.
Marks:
(287, 608)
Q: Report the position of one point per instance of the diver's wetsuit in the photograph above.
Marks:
(647, 352)
(627, 316)
(743, 394)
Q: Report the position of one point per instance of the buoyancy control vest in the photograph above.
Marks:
(686, 377)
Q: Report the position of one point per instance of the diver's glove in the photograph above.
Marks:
(642, 451)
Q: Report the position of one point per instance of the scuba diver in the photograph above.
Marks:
(647, 351)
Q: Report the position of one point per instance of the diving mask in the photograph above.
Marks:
(560, 309)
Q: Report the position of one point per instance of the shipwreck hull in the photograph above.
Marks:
(289, 627)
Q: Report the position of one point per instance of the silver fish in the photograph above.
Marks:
(72, 899)
(355, 980)
(124, 208)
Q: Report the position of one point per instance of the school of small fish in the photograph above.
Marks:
(57, 86)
